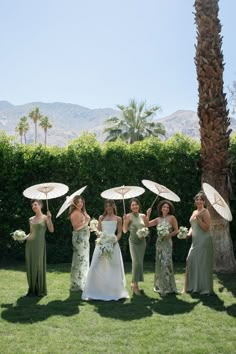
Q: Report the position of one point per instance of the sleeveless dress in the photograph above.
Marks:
(137, 247)
(35, 257)
(200, 261)
(80, 258)
(164, 280)
(106, 277)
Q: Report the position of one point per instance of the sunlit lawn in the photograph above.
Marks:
(63, 323)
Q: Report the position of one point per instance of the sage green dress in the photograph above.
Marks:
(200, 261)
(164, 280)
(80, 258)
(35, 256)
(137, 247)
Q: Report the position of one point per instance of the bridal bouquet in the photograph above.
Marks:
(19, 235)
(183, 231)
(162, 230)
(142, 233)
(93, 225)
(105, 243)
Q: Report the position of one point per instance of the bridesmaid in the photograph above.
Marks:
(199, 268)
(164, 280)
(35, 250)
(80, 241)
(132, 223)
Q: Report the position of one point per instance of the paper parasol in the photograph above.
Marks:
(160, 190)
(216, 200)
(45, 191)
(123, 192)
(68, 201)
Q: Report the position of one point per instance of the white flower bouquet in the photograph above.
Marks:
(162, 230)
(19, 235)
(142, 233)
(105, 243)
(183, 231)
(93, 225)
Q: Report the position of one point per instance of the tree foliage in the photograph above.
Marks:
(86, 162)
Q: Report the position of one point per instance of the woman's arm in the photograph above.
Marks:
(119, 228)
(145, 219)
(49, 222)
(189, 234)
(99, 224)
(153, 222)
(87, 217)
(174, 224)
(126, 222)
(204, 220)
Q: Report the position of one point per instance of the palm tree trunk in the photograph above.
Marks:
(35, 132)
(21, 138)
(25, 138)
(45, 137)
(215, 161)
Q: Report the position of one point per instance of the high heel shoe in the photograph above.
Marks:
(135, 290)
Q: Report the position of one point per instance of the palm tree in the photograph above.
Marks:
(135, 123)
(45, 124)
(215, 161)
(35, 115)
(24, 121)
(22, 128)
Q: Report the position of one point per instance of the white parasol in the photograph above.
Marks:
(160, 190)
(68, 201)
(122, 193)
(45, 191)
(216, 200)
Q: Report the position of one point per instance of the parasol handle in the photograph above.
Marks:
(47, 201)
(124, 204)
(154, 202)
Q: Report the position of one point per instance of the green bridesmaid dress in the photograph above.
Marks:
(199, 275)
(164, 279)
(137, 247)
(35, 255)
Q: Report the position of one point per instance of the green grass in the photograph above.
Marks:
(62, 323)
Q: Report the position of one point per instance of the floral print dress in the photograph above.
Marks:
(164, 280)
(80, 259)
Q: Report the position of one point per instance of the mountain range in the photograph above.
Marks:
(69, 120)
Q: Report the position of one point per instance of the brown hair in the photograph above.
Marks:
(36, 201)
(73, 206)
(112, 204)
(200, 195)
(171, 206)
(136, 201)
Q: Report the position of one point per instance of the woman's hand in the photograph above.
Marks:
(49, 215)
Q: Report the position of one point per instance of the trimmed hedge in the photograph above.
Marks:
(86, 162)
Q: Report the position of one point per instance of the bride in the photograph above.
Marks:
(106, 277)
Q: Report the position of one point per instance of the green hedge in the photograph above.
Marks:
(86, 162)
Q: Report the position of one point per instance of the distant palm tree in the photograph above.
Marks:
(135, 123)
(22, 128)
(35, 115)
(45, 124)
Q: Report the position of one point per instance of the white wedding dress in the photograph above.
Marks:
(106, 277)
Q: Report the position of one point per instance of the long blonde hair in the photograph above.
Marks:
(112, 204)
(73, 206)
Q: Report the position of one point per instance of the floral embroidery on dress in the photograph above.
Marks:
(164, 280)
(80, 259)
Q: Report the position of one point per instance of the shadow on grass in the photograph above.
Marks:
(28, 309)
(227, 282)
(144, 306)
(215, 303)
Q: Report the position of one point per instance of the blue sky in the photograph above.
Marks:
(99, 53)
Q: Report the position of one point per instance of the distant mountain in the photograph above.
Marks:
(69, 120)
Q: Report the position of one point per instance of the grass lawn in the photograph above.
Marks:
(62, 323)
